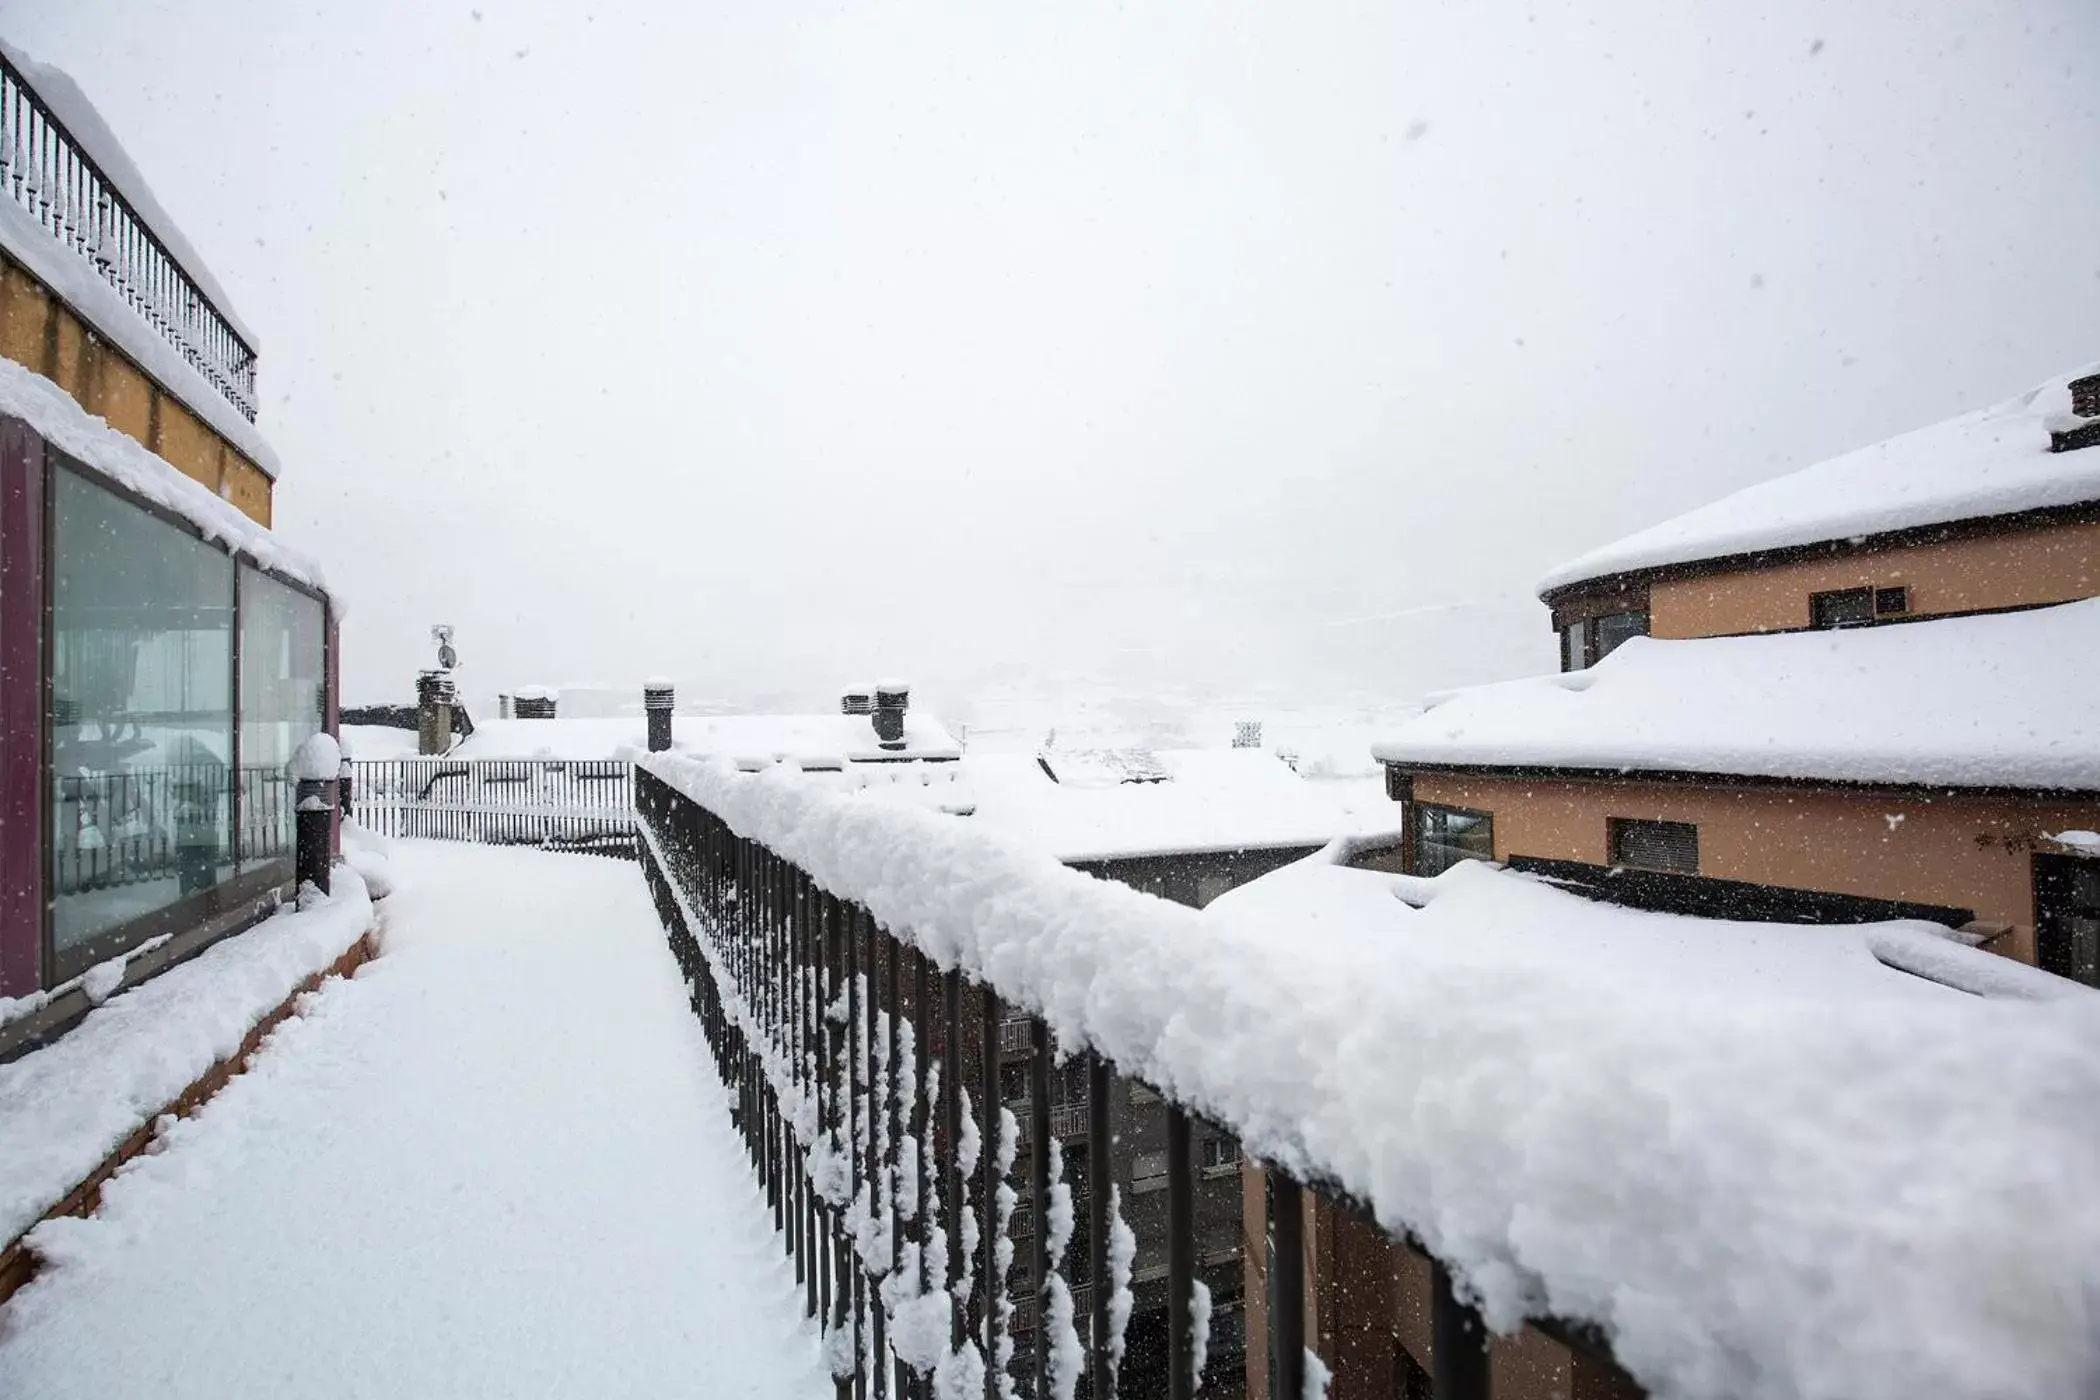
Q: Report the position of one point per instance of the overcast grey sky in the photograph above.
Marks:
(1203, 350)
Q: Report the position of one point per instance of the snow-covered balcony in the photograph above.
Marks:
(78, 213)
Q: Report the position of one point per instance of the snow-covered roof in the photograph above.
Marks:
(47, 408)
(1201, 800)
(2007, 700)
(811, 740)
(1767, 1169)
(76, 282)
(1993, 461)
(1491, 917)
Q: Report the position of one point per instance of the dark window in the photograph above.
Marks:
(1585, 643)
(1013, 1081)
(1220, 1151)
(1847, 607)
(142, 698)
(1648, 845)
(1891, 602)
(2067, 917)
(1615, 629)
(1444, 836)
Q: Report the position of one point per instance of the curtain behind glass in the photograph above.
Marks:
(141, 713)
(282, 697)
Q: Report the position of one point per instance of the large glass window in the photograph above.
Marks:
(141, 718)
(1444, 836)
(283, 690)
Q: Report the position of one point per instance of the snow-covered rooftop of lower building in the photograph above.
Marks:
(810, 740)
(1993, 461)
(1201, 800)
(62, 422)
(1765, 1165)
(2008, 700)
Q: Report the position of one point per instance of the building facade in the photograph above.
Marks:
(164, 652)
(1868, 681)
(1869, 690)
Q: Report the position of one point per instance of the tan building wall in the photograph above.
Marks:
(2053, 564)
(42, 333)
(1972, 852)
(1367, 1307)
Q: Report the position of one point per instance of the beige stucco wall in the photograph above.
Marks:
(2054, 564)
(1973, 852)
(43, 334)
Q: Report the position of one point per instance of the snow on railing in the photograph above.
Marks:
(1743, 1198)
(52, 177)
(825, 1023)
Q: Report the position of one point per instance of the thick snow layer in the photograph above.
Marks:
(1209, 800)
(81, 287)
(2011, 700)
(805, 739)
(495, 1163)
(64, 423)
(1993, 461)
(1766, 1167)
(366, 742)
(65, 1108)
(317, 759)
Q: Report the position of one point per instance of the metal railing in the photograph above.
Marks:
(138, 825)
(570, 805)
(823, 1024)
(45, 171)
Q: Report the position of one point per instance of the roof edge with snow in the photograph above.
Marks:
(54, 415)
(1991, 468)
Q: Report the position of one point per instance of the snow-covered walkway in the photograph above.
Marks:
(495, 1163)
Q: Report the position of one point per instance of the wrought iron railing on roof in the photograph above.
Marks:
(866, 1083)
(45, 170)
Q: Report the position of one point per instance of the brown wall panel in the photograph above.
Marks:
(1974, 852)
(2054, 564)
(42, 334)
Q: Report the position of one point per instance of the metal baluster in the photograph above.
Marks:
(1286, 1260)
(874, 1163)
(1181, 1258)
(851, 937)
(1098, 1178)
(1039, 1200)
(951, 1133)
(922, 1114)
(1457, 1341)
(892, 1115)
(988, 1109)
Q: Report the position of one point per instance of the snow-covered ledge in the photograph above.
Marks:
(1756, 1185)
